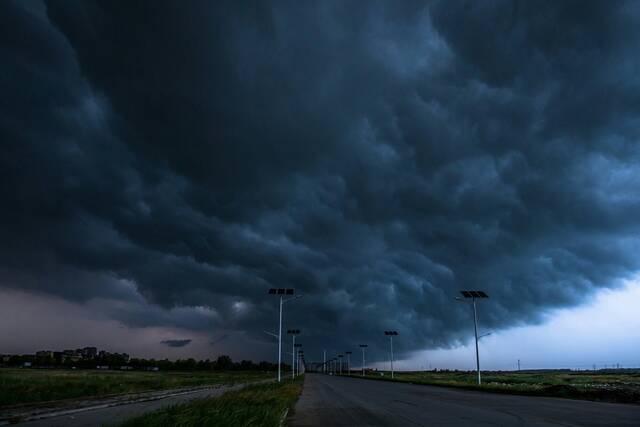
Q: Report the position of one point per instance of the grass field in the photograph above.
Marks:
(255, 405)
(19, 386)
(611, 386)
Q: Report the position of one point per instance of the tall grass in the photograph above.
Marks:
(255, 405)
(623, 386)
(19, 386)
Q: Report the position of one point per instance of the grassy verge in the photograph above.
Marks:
(21, 386)
(606, 386)
(255, 405)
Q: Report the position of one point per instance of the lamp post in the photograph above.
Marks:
(281, 292)
(297, 353)
(391, 334)
(300, 358)
(340, 356)
(473, 295)
(363, 346)
(348, 353)
(324, 360)
(293, 332)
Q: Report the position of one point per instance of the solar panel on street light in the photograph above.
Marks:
(473, 295)
(362, 347)
(391, 334)
(281, 292)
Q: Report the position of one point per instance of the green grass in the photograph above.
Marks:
(619, 386)
(255, 405)
(20, 386)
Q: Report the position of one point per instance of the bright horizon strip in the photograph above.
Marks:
(604, 332)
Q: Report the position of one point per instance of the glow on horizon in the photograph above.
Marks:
(603, 332)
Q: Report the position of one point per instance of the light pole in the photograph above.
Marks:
(391, 334)
(348, 353)
(300, 358)
(363, 346)
(281, 292)
(293, 332)
(297, 353)
(324, 360)
(340, 356)
(473, 295)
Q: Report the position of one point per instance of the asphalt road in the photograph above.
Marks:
(339, 401)
(96, 417)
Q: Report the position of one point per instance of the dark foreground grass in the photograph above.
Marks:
(21, 386)
(256, 405)
(607, 386)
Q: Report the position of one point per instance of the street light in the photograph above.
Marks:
(297, 353)
(293, 332)
(363, 346)
(340, 356)
(473, 295)
(281, 292)
(300, 359)
(348, 353)
(391, 334)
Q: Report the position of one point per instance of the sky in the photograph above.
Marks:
(165, 163)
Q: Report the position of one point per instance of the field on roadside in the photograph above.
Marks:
(19, 386)
(613, 386)
(255, 405)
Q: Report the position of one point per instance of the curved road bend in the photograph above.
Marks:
(338, 401)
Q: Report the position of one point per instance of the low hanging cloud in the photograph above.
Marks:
(376, 159)
(176, 343)
(219, 339)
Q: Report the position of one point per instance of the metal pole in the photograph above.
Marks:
(475, 328)
(324, 359)
(363, 361)
(391, 336)
(280, 341)
(293, 358)
(348, 364)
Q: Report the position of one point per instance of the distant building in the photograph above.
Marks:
(89, 352)
(44, 353)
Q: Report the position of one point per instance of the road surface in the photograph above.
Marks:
(100, 416)
(340, 401)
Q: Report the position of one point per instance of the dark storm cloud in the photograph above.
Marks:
(378, 160)
(176, 343)
(219, 339)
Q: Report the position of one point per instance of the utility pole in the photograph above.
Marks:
(518, 365)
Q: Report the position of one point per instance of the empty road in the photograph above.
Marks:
(339, 401)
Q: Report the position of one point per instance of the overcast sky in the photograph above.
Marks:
(165, 163)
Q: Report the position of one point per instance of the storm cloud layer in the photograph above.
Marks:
(177, 159)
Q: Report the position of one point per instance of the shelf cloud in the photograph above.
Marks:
(177, 159)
